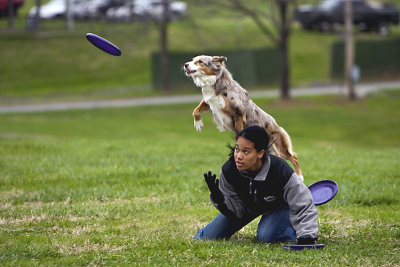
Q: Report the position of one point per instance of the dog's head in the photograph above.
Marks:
(205, 70)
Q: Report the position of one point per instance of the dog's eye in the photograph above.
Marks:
(200, 62)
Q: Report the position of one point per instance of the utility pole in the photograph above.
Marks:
(69, 16)
(164, 46)
(349, 47)
(36, 23)
(131, 10)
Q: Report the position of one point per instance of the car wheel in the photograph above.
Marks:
(306, 27)
(325, 26)
(363, 27)
(383, 29)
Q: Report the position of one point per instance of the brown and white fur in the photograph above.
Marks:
(231, 107)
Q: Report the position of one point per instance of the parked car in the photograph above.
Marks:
(367, 16)
(120, 13)
(93, 9)
(55, 9)
(155, 9)
(151, 10)
(16, 4)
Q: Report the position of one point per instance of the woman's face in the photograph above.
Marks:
(246, 156)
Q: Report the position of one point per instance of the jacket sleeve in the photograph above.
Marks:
(303, 213)
(232, 207)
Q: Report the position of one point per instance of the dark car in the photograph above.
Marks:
(367, 16)
(16, 4)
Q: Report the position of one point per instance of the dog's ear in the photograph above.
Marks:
(219, 59)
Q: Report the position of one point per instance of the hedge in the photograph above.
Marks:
(374, 58)
(248, 67)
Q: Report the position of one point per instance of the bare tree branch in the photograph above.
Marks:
(237, 4)
(273, 17)
(292, 17)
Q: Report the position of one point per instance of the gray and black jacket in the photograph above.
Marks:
(274, 186)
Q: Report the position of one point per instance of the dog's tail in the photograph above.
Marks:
(286, 141)
(281, 145)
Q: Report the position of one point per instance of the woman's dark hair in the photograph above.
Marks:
(255, 134)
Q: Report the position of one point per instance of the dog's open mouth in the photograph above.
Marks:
(189, 72)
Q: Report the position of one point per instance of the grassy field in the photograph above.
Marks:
(64, 65)
(124, 186)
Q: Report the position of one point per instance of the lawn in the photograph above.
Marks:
(124, 186)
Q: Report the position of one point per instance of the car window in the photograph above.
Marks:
(329, 4)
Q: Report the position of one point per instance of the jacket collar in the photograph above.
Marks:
(262, 174)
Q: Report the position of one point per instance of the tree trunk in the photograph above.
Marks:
(284, 50)
(349, 54)
(285, 71)
(164, 47)
(10, 15)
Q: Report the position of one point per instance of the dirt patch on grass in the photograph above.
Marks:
(338, 225)
(86, 247)
(23, 219)
(345, 101)
(14, 193)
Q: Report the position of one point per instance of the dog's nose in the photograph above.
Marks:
(186, 65)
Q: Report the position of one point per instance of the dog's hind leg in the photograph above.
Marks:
(198, 123)
(283, 145)
(239, 120)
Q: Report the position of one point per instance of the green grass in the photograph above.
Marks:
(124, 186)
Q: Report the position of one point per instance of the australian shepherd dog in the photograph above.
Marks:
(231, 107)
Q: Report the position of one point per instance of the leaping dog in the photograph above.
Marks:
(231, 107)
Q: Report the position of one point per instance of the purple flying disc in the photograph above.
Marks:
(301, 247)
(103, 44)
(323, 191)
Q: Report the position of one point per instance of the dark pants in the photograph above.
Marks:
(273, 227)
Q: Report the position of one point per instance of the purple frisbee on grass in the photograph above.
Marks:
(323, 191)
(103, 44)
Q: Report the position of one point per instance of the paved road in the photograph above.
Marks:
(362, 90)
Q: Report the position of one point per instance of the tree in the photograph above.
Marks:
(11, 14)
(164, 46)
(280, 17)
(349, 55)
(69, 16)
(36, 20)
(279, 36)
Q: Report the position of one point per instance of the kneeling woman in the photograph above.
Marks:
(253, 183)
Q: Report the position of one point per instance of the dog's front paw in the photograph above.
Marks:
(198, 125)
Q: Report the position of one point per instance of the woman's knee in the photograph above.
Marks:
(265, 236)
(276, 227)
(220, 228)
